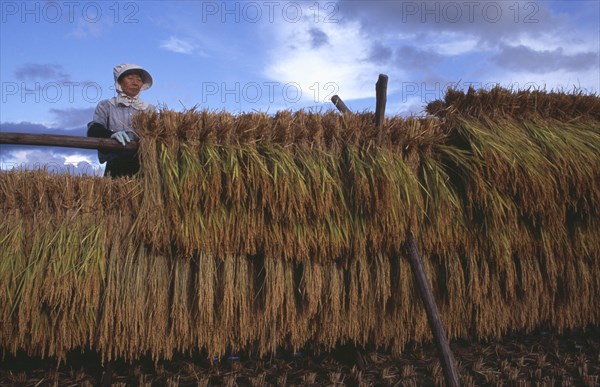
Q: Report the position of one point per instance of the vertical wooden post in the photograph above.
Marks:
(433, 314)
(380, 102)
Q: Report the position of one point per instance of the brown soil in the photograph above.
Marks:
(537, 359)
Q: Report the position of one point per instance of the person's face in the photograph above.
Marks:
(131, 84)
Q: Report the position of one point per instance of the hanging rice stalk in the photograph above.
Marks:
(255, 232)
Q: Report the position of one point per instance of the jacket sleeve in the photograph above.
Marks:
(96, 129)
(99, 127)
(102, 113)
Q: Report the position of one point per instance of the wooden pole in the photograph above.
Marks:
(433, 315)
(380, 101)
(416, 263)
(338, 103)
(65, 141)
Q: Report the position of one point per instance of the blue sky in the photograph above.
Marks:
(56, 57)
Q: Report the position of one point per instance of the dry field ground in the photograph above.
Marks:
(537, 359)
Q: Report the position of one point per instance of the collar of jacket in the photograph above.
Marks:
(134, 102)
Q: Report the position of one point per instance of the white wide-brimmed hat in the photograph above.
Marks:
(124, 69)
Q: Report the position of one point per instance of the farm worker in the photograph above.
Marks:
(112, 118)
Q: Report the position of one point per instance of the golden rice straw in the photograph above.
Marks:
(253, 232)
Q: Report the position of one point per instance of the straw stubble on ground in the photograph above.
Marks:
(537, 359)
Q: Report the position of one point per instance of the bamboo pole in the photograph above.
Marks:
(65, 141)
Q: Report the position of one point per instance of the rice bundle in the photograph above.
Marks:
(256, 232)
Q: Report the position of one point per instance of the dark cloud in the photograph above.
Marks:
(422, 33)
(415, 58)
(525, 58)
(380, 54)
(487, 20)
(30, 71)
(318, 38)
(70, 118)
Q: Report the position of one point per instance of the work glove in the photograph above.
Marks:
(121, 137)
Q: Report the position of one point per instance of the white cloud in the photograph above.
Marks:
(178, 45)
(75, 159)
(570, 44)
(453, 43)
(53, 162)
(339, 67)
